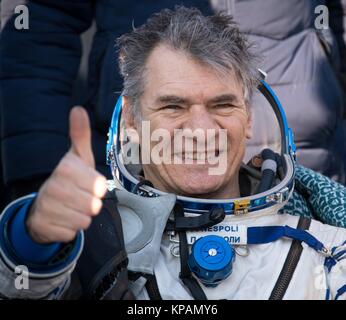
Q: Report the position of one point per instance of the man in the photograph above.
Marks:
(181, 70)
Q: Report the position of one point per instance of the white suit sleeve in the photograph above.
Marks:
(21, 278)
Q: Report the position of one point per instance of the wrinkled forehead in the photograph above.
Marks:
(174, 72)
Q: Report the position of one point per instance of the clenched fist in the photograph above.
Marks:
(72, 195)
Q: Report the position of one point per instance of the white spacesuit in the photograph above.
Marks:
(207, 249)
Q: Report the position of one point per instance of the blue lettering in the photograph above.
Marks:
(235, 239)
(232, 239)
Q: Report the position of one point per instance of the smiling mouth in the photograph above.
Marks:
(195, 156)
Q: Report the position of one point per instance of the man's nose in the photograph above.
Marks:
(200, 118)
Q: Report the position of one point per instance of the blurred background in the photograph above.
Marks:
(67, 57)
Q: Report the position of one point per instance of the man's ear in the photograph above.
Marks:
(129, 122)
(248, 131)
(127, 115)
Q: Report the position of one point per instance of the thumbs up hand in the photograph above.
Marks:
(72, 195)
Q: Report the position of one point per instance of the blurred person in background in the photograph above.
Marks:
(305, 65)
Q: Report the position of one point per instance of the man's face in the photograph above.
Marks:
(181, 93)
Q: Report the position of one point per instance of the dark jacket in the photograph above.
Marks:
(38, 69)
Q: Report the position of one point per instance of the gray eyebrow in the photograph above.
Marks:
(224, 98)
(180, 100)
(171, 99)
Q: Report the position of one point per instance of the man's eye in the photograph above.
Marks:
(223, 106)
(172, 107)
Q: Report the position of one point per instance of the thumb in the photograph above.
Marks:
(80, 134)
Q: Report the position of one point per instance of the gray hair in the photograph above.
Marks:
(212, 40)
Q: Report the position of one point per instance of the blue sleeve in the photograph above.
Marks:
(25, 248)
(17, 247)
